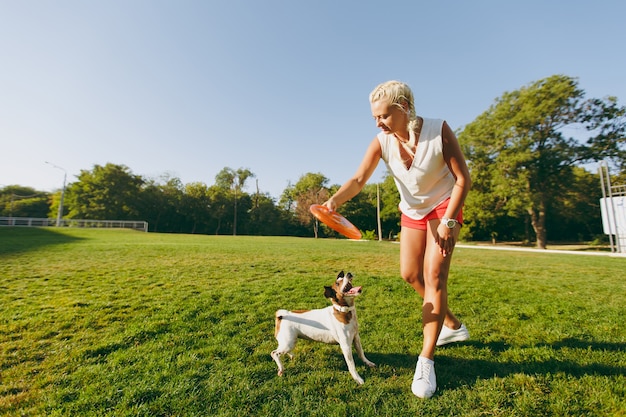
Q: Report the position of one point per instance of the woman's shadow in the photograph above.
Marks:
(453, 371)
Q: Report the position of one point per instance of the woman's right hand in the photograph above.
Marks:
(330, 204)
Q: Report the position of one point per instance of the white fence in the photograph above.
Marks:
(108, 224)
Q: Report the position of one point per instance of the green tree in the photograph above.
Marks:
(18, 201)
(161, 204)
(576, 211)
(220, 207)
(110, 192)
(522, 150)
(228, 178)
(311, 188)
(389, 212)
(197, 203)
(266, 218)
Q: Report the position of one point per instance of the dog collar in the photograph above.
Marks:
(343, 309)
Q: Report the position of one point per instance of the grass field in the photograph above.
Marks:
(123, 323)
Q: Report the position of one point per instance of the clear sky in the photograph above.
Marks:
(280, 87)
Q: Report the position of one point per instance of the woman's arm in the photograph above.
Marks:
(363, 173)
(453, 155)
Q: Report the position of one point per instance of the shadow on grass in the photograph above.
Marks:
(466, 372)
(569, 343)
(24, 239)
(454, 372)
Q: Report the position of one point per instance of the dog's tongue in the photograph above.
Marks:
(354, 290)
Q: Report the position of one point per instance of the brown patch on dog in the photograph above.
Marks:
(277, 324)
(337, 298)
(279, 318)
(343, 317)
(330, 292)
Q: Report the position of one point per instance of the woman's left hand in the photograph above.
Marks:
(445, 240)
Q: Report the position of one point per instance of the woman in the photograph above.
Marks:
(431, 175)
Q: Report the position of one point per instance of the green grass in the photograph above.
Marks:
(122, 323)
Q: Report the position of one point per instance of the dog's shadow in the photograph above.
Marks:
(453, 371)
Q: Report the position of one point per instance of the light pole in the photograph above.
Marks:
(60, 212)
(380, 229)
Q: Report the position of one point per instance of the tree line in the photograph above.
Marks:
(527, 155)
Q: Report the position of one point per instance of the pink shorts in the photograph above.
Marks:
(437, 213)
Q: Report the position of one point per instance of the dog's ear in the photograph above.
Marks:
(340, 275)
(329, 292)
(349, 276)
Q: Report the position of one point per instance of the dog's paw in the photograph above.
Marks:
(370, 364)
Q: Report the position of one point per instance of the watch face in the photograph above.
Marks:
(451, 223)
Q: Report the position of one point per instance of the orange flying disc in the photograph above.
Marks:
(335, 221)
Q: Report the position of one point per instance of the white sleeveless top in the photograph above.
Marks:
(428, 182)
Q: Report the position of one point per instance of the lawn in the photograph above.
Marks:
(124, 323)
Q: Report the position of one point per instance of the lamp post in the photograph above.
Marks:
(380, 229)
(60, 212)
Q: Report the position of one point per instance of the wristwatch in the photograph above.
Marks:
(450, 223)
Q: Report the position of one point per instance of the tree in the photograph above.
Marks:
(576, 211)
(266, 219)
(228, 178)
(18, 201)
(389, 212)
(522, 150)
(197, 205)
(161, 204)
(220, 205)
(110, 192)
(310, 189)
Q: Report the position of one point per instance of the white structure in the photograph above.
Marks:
(613, 209)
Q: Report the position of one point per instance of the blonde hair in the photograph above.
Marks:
(400, 95)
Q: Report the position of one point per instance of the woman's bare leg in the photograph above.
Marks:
(413, 247)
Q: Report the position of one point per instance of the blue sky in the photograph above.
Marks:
(185, 88)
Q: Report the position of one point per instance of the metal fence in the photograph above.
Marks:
(104, 224)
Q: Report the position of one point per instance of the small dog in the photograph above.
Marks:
(335, 324)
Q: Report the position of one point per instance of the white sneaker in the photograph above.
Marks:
(449, 335)
(424, 380)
